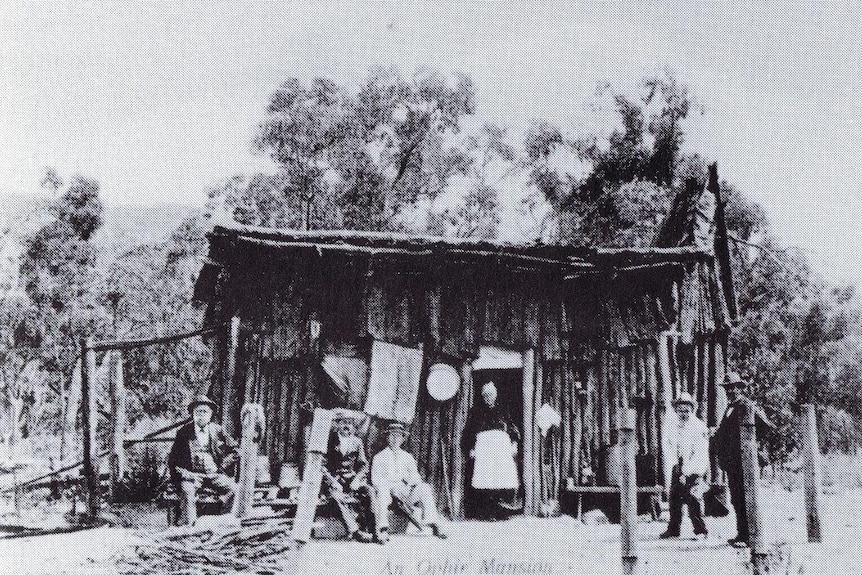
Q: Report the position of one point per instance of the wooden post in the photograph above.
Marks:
(118, 424)
(229, 391)
(655, 417)
(312, 476)
(604, 399)
(719, 404)
(89, 420)
(463, 402)
(664, 371)
(665, 384)
(251, 367)
(538, 453)
(252, 426)
(751, 488)
(577, 399)
(64, 407)
(528, 386)
(628, 492)
(73, 399)
(812, 470)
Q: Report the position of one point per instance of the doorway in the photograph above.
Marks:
(508, 381)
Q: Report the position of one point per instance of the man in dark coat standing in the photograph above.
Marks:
(345, 476)
(202, 456)
(726, 445)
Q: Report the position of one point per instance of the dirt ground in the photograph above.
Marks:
(520, 546)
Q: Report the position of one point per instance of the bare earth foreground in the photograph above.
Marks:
(521, 546)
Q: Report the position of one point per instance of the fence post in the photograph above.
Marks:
(312, 476)
(628, 493)
(812, 470)
(751, 488)
(252, 426)
(89, 420)
(118, 425)
(527, 450)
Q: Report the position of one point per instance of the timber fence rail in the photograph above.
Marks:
(90, 412)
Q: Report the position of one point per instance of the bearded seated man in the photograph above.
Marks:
(345, 478)
(202, 457)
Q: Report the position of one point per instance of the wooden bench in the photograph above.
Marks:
(329, 525)
(580, 490)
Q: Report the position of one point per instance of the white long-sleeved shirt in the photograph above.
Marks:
(392, 467)
(688, 442)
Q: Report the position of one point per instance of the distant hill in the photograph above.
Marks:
(124, 224)
(135, 224)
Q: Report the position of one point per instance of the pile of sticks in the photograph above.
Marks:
(261, 549)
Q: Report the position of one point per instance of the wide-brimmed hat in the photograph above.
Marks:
(201, 400)
(732, 379)
(685, 397)
(396, 427)
(346, 419)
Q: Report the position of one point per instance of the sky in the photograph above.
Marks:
(159, 101)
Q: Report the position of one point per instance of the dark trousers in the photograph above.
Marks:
(737, 499)
(682, 493)
(348, 501)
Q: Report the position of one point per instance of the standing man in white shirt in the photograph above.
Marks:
(686, 451)
(394, 474)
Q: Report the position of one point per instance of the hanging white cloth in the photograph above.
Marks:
(393, 385)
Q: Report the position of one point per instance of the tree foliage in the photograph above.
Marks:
(369, 158)
(489, 161)
(797, 338)
(614, 191)
(148, 291)
(356, 159)
(56, 305)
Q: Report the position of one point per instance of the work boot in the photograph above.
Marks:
(669, 534)
(361, 536)
(383, 536)
(737, 542)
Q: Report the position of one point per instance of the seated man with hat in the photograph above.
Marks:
(345, 476)
(202, 457)
(686, 451)
(394, 475)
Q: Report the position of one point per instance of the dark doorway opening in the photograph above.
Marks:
(510, 397)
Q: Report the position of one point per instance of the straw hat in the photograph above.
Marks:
(396, 427)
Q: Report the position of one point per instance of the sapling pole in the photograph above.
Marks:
(813, 474)
(751, 489)
(628, 493)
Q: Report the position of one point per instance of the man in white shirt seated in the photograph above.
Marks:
(686, 451)
(394, 475)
